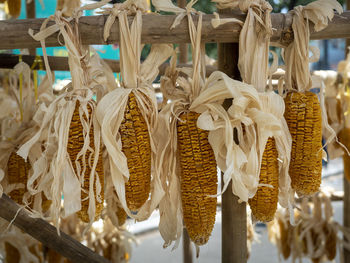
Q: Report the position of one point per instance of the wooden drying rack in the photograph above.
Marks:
(155, 29)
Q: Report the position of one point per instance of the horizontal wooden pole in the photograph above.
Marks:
(47, 234)
(61, 63)
(156, 29)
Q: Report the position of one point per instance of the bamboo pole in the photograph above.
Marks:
(47, 234)
(234, 217)
(156, 29)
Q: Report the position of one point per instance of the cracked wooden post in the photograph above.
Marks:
(234, 215)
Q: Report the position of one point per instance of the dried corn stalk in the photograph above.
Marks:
(128, 116)
(304, 114)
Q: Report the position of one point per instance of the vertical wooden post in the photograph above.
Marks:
(186, 242)
(345, 139)
(346, 162)
(234, 215)
(30, 12)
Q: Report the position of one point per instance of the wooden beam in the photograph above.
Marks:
(156, 29)
(61, 63)
(47, 234)
(234, 215)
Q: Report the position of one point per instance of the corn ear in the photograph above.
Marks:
(122, 216)
(264, 202)
(137, 149)
(303, 116)
(75, 144)
(331, 242)
(14, 7)
(12, 253)
(198, 178)
(284, 239)
(17, 172)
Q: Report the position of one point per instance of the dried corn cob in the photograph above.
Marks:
(264, 203)
(17, 172)
(75, 144)
(14, 7)
(284, 239)
(198, 178)
(121, 216)
(12, 254)
(331, 242)
(303, 116)
(137, 149)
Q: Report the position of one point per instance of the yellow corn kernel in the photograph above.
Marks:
(136, 147)
(198, 178)
(303, 116)
(74, 146)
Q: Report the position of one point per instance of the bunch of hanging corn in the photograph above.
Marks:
(128, 117)
(303, 110)
(315, 235)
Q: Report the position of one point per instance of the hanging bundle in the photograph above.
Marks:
(17, 170)
(303, 111)
(193, 118)
(71, 133)
(272, 141)
(128, 115)
(315, 235)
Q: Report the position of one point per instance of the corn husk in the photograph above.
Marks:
(67, 7)
(315, 235)
(254, 68)
(54, 124)
(137, 79)
(21, 247)
(205, 96)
